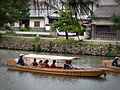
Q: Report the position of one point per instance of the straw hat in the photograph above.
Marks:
(21, 55)
(116, 57)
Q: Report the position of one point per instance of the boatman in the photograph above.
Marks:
(115, 62)
(21, 61)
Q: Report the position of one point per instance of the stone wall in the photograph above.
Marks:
(57, 47)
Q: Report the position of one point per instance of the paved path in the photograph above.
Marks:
(26, 37)
(104, 41)
(30, 33)
(48, 34)
(108, 41)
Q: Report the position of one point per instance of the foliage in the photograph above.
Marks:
(37, 38)
(81, 40)
(13, 11)
(38, 47)
(81, 6)
(10, 33)
(23, 29)
(9, 30)
(116, 22)
(33, 45)
(6, 27)
(68, 23)
(33, 29)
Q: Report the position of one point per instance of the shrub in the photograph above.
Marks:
(81, 40)
(10, 33)
(23, 29)
(37, 38)
(33, 29)
(6, 27)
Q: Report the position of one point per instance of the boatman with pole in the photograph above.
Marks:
(21, 61)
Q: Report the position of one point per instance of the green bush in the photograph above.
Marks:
(33, 29)
(6, 27)
(23, 29)
(37, 38)
(2, 28)
(81, 40)
(10, 33)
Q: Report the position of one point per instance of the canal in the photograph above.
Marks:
(18, 80)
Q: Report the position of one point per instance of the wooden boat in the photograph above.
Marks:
(108, 65)
(91, 72)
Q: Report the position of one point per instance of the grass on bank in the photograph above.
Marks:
(64, 41)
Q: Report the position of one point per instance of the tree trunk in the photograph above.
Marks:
(78, 36)
(66, 34)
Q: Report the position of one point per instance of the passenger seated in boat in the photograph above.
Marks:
(40, 63)
(66, 65)
(35, 63)
(21, 61)
(115, 62)
(53, 64)
(46, 64)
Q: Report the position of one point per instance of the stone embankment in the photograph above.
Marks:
(57, 47)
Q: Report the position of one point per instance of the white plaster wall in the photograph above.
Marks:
(55, 15)
(16, 24)
(48, 28)
(107, 2)
(102, 22)
(42, 22)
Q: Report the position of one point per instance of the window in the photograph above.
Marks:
(37, 24)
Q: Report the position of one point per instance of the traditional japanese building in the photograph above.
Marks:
(101, 23)
(98, 27)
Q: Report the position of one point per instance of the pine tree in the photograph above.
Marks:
(67, 22)
(13, 10)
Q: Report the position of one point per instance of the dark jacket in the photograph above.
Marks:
(21, 61)
(115, 63)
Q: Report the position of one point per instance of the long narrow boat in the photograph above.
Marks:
(91, 72)
(108, 65)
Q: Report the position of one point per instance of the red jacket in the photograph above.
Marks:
(35, 64)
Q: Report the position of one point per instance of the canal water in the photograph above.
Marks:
(18, 80)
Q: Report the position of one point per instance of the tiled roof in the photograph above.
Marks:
(107, 11)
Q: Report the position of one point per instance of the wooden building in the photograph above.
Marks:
(101, 26)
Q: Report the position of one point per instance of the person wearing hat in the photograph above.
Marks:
(115, 62)
(21, 61)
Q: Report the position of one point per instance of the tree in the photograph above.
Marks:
(116, 22)
(67, 22)
(13, 11)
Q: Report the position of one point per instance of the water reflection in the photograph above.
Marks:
(58, 77)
